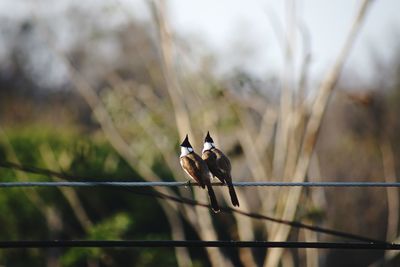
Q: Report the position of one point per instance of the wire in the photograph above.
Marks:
(36, 170)
(187, 201)
(294, 224)
(192, 243)
(166, 184)
(186, 184)
(183, 200)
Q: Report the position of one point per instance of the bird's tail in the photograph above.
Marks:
(232, 193)
(213, 198)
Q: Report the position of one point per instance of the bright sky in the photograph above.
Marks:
(241, 33)
(226, 22)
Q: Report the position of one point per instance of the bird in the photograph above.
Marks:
(219, 165)
(198, 170)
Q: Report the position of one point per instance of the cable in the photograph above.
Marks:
(294, 224)
(191, 243)
(187, 184)
(36, 170)
(182, 200)
(187, 201)
(166, 184)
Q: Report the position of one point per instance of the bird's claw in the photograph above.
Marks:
(188, 184)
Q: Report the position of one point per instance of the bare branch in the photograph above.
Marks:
(312, 129)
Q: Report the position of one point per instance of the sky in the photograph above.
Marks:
(226, 22)
(248, 34)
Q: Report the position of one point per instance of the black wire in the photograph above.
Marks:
(192, 202)
(36, 170)
(191, 243)
(294, 224)
(90, 183)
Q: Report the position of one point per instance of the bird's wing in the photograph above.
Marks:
(211, 159)
(223, 163)
(193, 168)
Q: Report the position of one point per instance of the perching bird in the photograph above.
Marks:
(197, 169)
(219, 165)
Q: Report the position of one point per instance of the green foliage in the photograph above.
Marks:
(109, 229)
(115, 214)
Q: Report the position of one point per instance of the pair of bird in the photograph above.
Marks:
(202, 169)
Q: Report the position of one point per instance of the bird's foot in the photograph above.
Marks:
(188, 184)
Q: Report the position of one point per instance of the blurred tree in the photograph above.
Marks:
(136, 91)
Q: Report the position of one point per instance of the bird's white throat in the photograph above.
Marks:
(185, 151)
(207, 146)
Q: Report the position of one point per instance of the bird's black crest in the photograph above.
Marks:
(186, 142)
(208, 138)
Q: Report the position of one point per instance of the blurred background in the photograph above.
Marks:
(290, 90)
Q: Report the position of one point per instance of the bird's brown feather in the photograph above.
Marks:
(218, 164)
(195, 167)
(220, 167)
